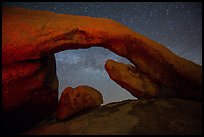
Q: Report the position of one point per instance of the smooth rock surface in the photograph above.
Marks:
(138, 117)
(76, 100)
(133, 80)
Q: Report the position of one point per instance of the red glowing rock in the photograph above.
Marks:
(46, 32)
(77, 99)
(29, 39)
(128, 77)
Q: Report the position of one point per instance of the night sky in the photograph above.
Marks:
(177, 25)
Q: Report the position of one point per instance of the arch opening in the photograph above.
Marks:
(86, 67)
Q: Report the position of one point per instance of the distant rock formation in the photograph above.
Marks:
(128, 77)
(76, 100)
(171, 116)
(30, 38)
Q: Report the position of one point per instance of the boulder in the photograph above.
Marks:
(161, 116)
(133, 80)
(76, 100)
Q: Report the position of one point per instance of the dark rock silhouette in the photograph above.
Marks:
(30, 38)
(131, 117)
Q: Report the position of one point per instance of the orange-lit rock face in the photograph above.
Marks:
(46, 32)
(29, 87)
(23, 80)
(75, 100)
(128, 77)
(29, 37)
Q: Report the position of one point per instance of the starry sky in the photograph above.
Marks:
(177, 25)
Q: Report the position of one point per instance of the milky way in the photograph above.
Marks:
(177, 25)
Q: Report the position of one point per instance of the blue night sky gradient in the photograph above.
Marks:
(177, 25)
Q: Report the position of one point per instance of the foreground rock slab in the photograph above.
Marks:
(76, 100)
(152, 116)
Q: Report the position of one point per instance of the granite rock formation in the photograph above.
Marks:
(76, 100)
(137, 82)
(128, 77)
(30, 38)
(29, 90)
(171, 116)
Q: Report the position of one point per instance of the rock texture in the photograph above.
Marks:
(138, 83)
(131, 117)
(46, 32)
(29, 39)
(128, 77)
(29, 91)
(76, 100)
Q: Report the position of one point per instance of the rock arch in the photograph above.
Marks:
(30, 38)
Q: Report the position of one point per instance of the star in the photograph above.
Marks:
(177, 25)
